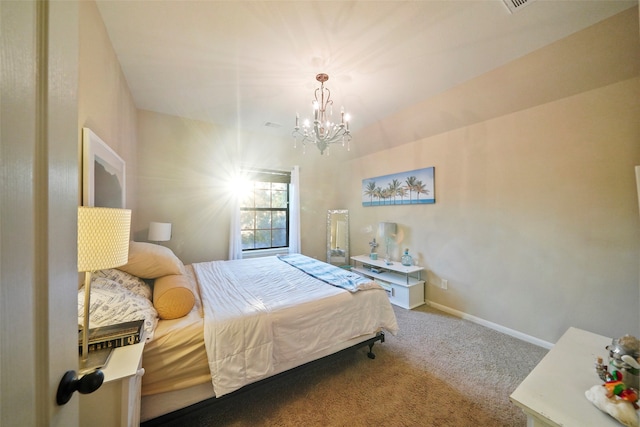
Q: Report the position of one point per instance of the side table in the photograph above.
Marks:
(117, 401)
(553, 393)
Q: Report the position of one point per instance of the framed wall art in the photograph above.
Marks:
(103, 173)
(414, 187)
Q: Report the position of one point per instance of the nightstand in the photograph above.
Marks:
(117, 402)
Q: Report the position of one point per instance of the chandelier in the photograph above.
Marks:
(323, 131)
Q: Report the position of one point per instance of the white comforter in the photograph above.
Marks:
(262, 313)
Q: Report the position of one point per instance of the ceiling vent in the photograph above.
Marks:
(516, 5)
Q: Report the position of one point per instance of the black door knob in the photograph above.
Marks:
(69, 383)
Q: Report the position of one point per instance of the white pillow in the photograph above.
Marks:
(151, 261)
(129, 281)
(111, 303)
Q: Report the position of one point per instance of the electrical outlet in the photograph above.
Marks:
(444, 284)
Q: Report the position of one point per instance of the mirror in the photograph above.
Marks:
(338, 237)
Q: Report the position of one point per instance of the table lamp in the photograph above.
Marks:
(159, 231)
(103, 242)
(387, 230)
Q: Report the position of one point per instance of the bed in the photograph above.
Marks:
(227, 324)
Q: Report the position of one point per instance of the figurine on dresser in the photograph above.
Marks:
(618, 396)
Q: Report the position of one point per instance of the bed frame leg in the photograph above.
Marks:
(370, 355)
(378, 337)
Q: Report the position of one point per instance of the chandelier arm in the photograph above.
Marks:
(329, 100)
(319, 104)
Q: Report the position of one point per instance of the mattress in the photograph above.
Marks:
(176, 358)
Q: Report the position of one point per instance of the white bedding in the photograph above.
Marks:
(260, 314)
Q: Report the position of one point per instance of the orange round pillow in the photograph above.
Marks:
(172, 296)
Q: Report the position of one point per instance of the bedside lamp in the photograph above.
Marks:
(159, 232)
(103, 242)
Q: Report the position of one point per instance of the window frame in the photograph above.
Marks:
(271, 177)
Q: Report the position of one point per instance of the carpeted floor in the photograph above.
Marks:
(438, 371)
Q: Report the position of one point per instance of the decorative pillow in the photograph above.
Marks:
(112, 303)
(150, 261)
(172, 296)
(133, 283)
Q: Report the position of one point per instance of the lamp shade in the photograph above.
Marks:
(159, 231)
(103, 237)
(387, 229)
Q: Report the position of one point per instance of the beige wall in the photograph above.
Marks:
(185, 173)
(536, 223)
(105, 104)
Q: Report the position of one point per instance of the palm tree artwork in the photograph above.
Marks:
(370, 190)
(411, 184)
(404, 188)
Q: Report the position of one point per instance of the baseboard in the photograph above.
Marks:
(491, 325)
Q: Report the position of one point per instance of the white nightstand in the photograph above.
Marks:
(403, 284)
(117, 402)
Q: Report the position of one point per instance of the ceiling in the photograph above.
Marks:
(248, 63)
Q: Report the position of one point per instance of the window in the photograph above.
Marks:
(264, 211)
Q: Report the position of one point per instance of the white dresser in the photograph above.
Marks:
(403, 284)
(553, 393)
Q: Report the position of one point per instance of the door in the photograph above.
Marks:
(39, 152)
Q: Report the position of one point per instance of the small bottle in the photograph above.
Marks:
(601, 369)
(406, 258)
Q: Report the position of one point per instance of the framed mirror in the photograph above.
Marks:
(338, 237)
